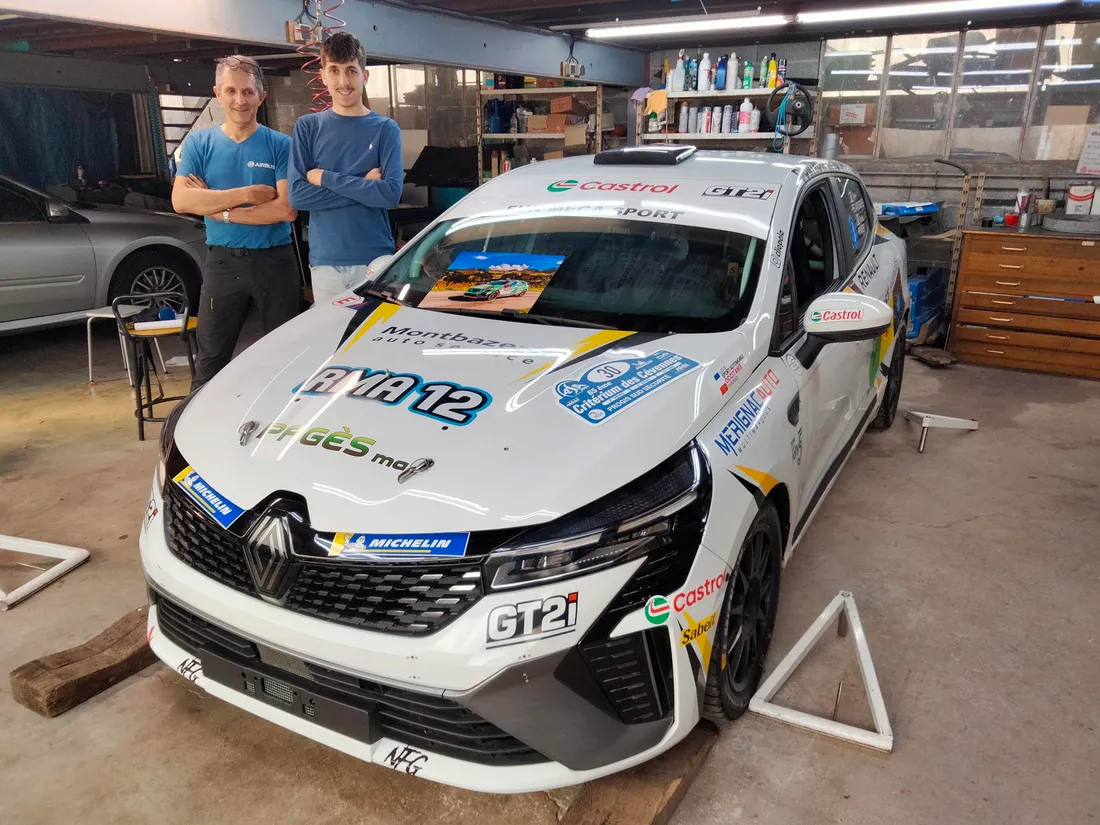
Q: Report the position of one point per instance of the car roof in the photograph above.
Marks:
(732, 191)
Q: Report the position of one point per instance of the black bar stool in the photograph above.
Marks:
(142, 365)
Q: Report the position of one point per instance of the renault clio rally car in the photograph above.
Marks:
(515, 549)
(497, 289)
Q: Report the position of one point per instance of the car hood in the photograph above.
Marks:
(127, 216)
(522, 456)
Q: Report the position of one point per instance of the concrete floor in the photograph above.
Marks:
(975, 568)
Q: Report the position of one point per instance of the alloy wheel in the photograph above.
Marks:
(752, 604)
(154, 279)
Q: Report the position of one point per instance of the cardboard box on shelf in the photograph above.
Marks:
(1066, 115)
(852, 114)
(536, 123)
(575, 136)
(553, 155)
(567, 104)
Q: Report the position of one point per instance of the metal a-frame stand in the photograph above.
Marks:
(943, 422)
(69, 557)
(842, 607)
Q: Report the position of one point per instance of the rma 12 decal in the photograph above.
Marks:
(511, 624)
(747, 417)
(610, 388)
(221, 509)
(441, 400)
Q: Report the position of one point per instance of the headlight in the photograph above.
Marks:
(168, 440)
(619, 527)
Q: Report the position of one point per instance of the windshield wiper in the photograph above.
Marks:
(385, 295)
(551, 320)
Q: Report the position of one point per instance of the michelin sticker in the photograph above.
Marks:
(610, 388)
(357, 545)
(221, 509)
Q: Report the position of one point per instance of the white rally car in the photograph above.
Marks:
(516, 548)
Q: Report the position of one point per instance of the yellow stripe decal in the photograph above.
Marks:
(765, 481)
(588, 344)
(182, 474)
(381, 314)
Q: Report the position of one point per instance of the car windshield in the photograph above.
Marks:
(636, 275)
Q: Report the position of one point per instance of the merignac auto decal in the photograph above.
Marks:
(595, 185)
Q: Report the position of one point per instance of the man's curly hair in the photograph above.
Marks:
(343, 47)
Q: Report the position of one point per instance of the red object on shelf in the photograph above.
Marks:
(1012, 219)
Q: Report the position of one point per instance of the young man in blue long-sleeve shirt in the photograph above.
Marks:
(346, 171)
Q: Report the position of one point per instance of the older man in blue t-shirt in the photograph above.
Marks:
(236, 176)
(346, 171)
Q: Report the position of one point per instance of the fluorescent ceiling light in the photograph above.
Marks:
(691, 25)
(913, 9)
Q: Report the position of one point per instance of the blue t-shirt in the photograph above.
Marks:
(349, 219)
(225, 164)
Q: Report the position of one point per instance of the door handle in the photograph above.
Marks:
(1008, 283)
(1011, 266)
(1014, 248)
(999, 318)
(1004, 303)
(793, 409)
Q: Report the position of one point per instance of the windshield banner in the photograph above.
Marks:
(493, 280)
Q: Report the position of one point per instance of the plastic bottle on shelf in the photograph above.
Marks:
(744, 118)
(704, 120)
(684, 118)
(691, 75)
(676, 83)
(782, 70)
(720, 74)
(705, 76)
(716, 120)
(693, 120)
(773, 71)
(513, 124)
(652, 125)
(733, 76)
(727, 118)
(746, 80)
(754, 121)
(763, 84)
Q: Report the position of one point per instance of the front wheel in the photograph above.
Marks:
(748, 619)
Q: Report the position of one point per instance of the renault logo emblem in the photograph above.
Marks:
(267, 550)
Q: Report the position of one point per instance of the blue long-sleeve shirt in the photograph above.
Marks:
(348, 216)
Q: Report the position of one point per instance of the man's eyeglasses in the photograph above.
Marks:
(243, 65)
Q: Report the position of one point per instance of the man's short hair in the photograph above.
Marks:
(242, 62)
(343, 47)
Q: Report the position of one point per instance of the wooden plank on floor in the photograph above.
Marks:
(648, 794)
(55, 683)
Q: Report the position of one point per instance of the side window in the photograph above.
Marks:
(811, 267)
(18, 207)
(856, 221)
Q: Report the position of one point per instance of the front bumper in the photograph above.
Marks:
(531, 714)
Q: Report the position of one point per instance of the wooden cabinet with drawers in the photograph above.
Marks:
(1026, 301)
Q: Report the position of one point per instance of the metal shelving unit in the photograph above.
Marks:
(661, 136)
(594, 92)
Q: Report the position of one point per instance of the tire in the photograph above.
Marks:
(888, 409)
(154, 271)
(740, 646)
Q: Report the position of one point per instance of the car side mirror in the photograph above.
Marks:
(56, 211)
(842, 317)
(375, 267)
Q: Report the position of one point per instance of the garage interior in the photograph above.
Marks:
(974, 562)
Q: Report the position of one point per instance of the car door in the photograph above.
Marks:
(46, 267)
(814, 265)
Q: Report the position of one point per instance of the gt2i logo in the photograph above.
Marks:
(404, 758)
(511, 624)
(659, 608)
(777, 250)
(796, 448)
(698, 630)
(738, 192)
(441, 400)
(822, 316)
(190, 669)
(746, 419)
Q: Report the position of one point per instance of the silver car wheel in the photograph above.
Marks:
(154, 279)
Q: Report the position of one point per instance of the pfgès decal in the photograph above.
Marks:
(441, 400)
(220, 508)
(399, 545)
(747, 418)
(571, 184)
(657, 609)
(512, 624)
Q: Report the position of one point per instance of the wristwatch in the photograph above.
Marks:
(225, 216)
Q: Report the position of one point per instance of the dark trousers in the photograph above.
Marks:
(232, 281)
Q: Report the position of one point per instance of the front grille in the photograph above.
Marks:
(635, 674)
(431, 722)
(412, 599)
(405, 598)
(201, 543)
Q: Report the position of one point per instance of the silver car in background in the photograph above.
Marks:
(59, 260)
